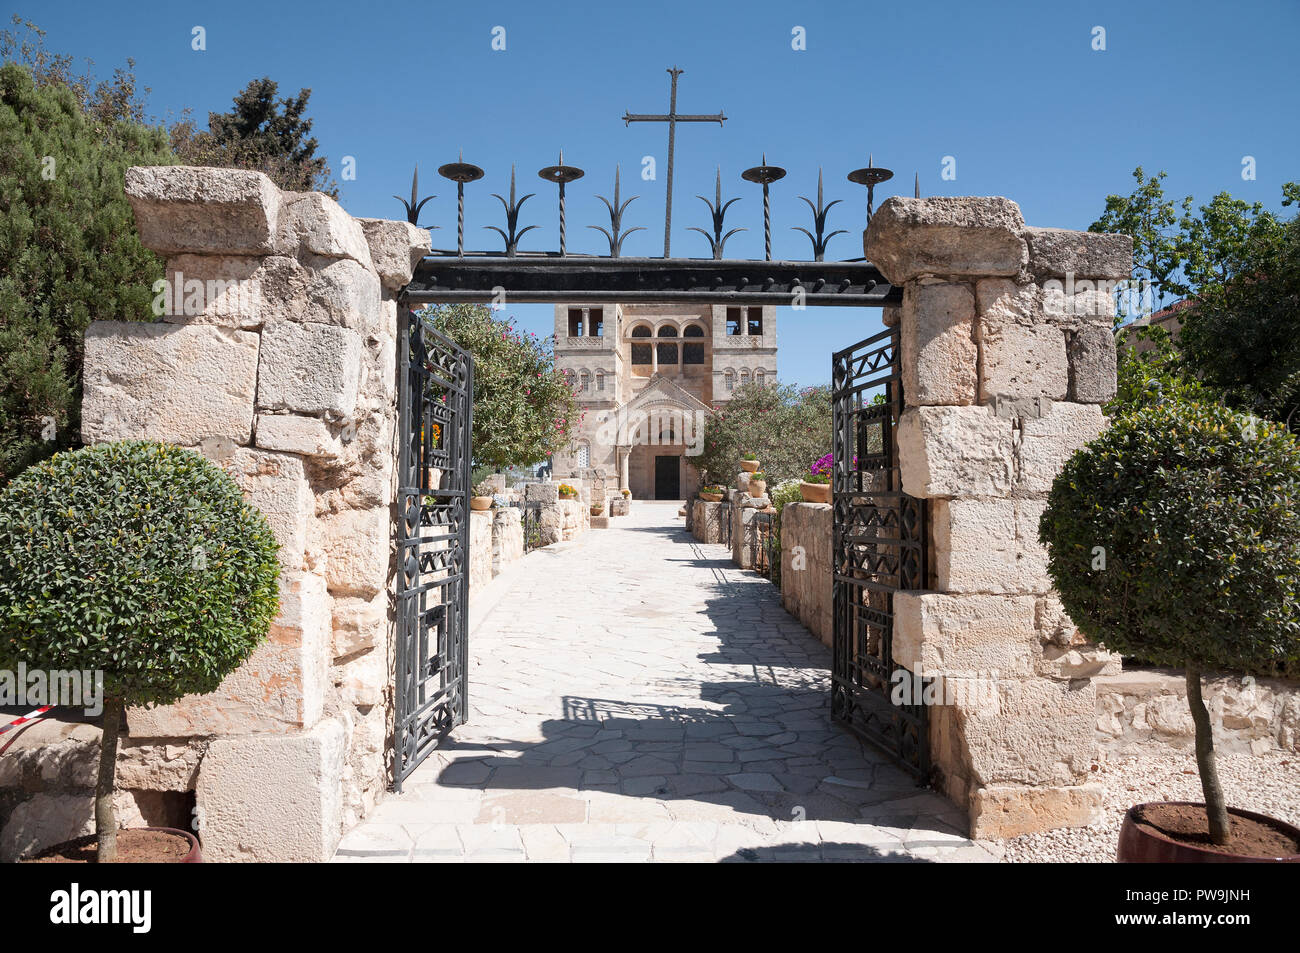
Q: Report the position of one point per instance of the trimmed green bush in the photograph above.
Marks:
(140, 560)
(1175, 536)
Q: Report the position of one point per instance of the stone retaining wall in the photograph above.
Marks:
(806, 565)
(706, 521)
(560, 520)
(276, 358)
(1145, 711)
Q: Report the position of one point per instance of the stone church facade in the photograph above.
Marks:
(646, 376)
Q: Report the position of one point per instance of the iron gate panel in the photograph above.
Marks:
(435, 421)
(879, 548)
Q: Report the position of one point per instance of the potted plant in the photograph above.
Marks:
(757, 483)
(815, 488)
(1173, 537)
(626, 493)
(711, 493)
(568, 492)
(749, 463)
(481, 497)
(141, 561)
(597, 509)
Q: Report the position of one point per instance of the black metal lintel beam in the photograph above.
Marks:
(577, 279)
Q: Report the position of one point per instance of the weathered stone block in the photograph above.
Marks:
(507, 537)
(309, 369)
(988, 546)
(964, 636)
(190, 209)
(938, 352)
(359, 623)
(1093, 365)
(280, 687)
(1022, 361)
(1047, 442)
(364, 679)
(806, 565)
(1011, 742)
(356, 551)
(273, 798)
(1005, 810)
(309, 436)
(225, 290)
(178, 384)
(1058, 252)
(542, 492)
(954, 451)
(315, 224)
(943, 236)
(277, 485)
(395, 248)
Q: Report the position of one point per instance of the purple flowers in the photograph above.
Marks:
(823, 465)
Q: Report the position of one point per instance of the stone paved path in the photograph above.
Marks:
(636, 697)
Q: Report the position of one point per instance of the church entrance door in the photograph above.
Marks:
(668, 478)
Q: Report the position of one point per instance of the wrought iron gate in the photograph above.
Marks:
(879, 548)
(435, 420)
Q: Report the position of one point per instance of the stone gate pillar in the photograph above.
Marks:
(1006, 356)
(275, 356)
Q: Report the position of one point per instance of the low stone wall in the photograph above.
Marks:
(706, 521)
(559, 520)
(806, 565)
(507, 537)
(1145, 710)
(480, 549)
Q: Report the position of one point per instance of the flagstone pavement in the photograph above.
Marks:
(636, 697)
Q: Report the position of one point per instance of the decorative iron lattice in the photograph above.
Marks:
(763, 554)
(878, 549)
(435, 417)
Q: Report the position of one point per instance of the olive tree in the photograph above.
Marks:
(1175, 536)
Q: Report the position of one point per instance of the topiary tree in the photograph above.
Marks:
(1175, 536)
(140, 561)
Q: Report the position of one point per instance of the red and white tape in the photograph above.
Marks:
(24, 719)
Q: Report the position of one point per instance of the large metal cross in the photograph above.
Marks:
(672, 118)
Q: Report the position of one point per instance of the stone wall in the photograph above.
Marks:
(560, 520)
(1007, 355)
(1145, 711)
(807, 566)
(276, 358)
(706, 521)
(507, 537)
(480, 549)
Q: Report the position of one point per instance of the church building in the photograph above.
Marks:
(646, 378)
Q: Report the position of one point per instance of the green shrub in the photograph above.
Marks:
(1175, 536)
(139, 560)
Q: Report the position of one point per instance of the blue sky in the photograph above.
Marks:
(1014, 92)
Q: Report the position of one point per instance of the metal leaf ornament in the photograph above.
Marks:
(717, 241)
(413, 207)
(614, 236)
(511, 238)
(820, 240)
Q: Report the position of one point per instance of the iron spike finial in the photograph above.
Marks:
(415, 204)
(460, 172)
(616, 208)
(561, 175)
(512, 236)
(717, 241)
(820, 240)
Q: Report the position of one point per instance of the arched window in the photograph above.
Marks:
(693, 351)
(600, 380)
(760, 377)
(667, 352)
(730, 377)
(641, 352)
(583, 456)
(584, 382)
(744, 377)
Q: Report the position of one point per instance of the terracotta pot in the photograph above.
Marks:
(711, 497)
(1139, 844)
(815, 492)
(749, 466)
(480, 502)
(757, 487)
